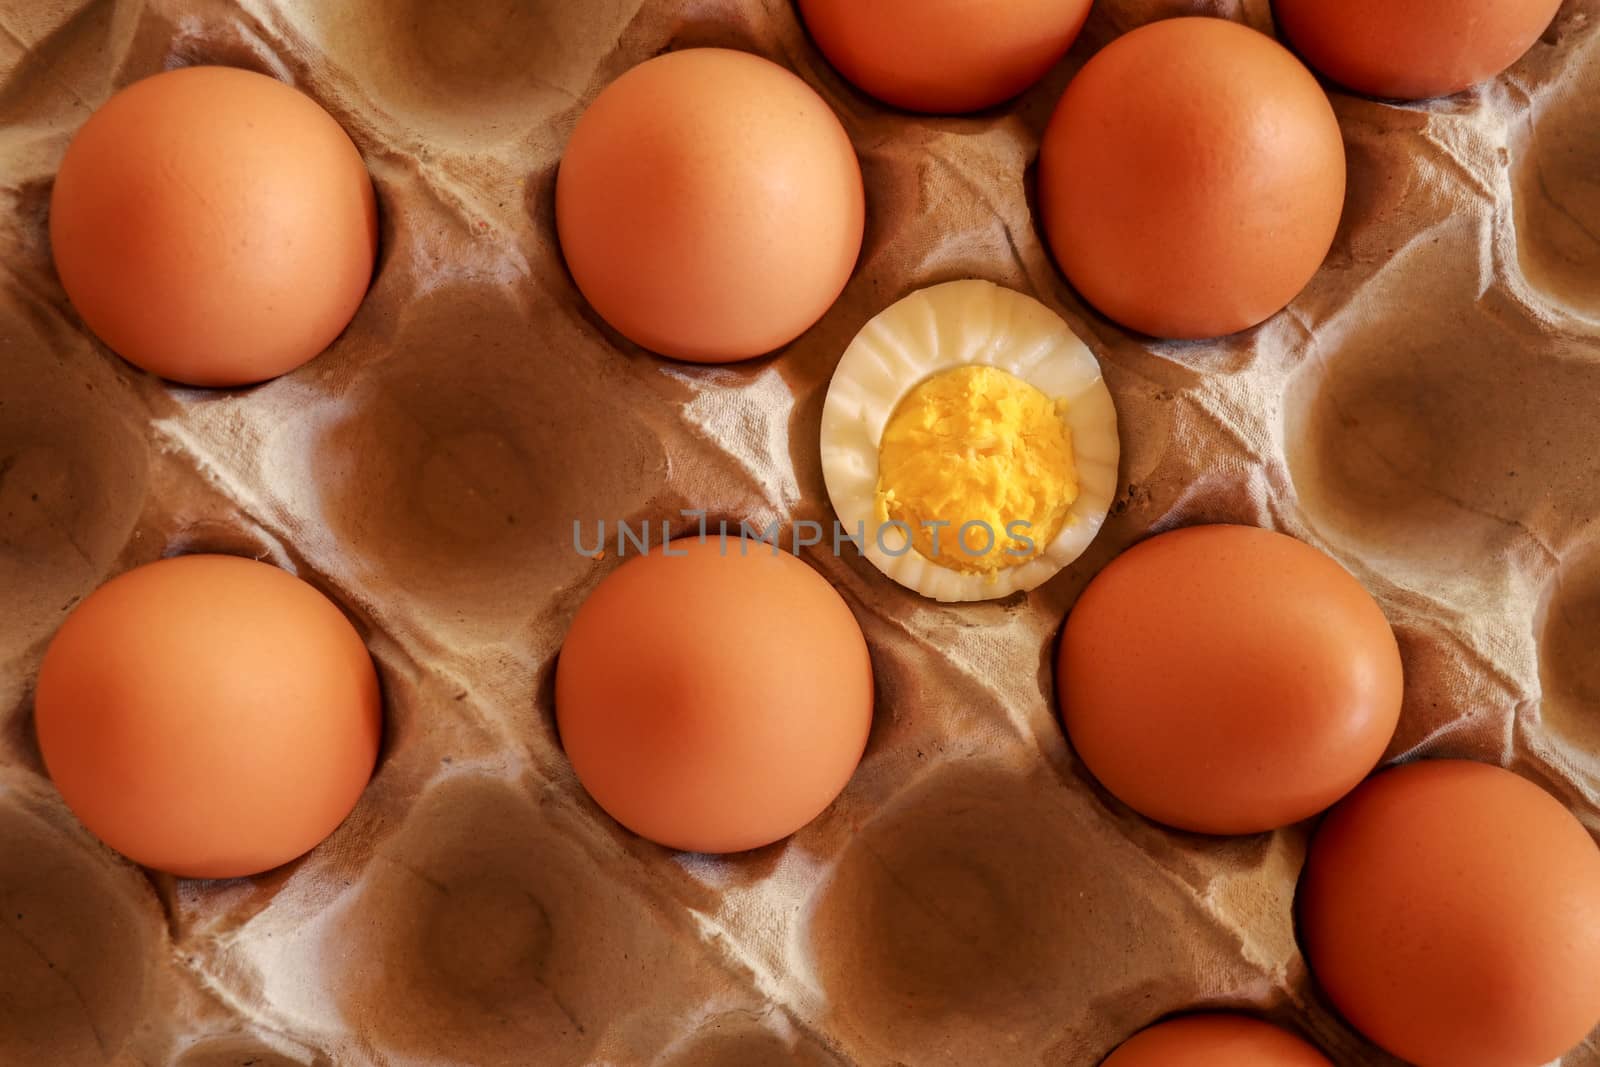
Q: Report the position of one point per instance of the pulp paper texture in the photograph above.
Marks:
(1426, 411)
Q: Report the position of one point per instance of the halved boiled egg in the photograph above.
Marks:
(969, 443)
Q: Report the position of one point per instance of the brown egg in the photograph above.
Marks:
(710, 205)
(213, 226)
(944, 56)
(1215, 1041)
(1451, 910)
(714, 701)
(1412, 49)
(1228, 680)
(1192, 178)
(208, 716)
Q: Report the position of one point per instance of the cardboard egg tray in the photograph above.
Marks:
(1426, 411)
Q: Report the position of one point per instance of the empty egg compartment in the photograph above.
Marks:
(75, 470)
(1566, 732)
(92, 970)
(82, 937)
(439, 480)
(485, 929)
(989, 913)
(477, 85)
(1410, 417)
(1552, 227)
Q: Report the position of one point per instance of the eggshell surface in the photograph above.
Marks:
(944, 56)
(709, 205)
(1412, 49)
(1191, 178)
(715, 701)
(1215, 1041)
(213, 226)
(208, 716)
(1228, 680)
(1451, 910)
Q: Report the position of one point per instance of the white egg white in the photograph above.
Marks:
(935, 329)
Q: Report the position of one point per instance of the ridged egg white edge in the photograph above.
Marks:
(952, 325)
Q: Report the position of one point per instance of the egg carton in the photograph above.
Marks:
(1424, 411)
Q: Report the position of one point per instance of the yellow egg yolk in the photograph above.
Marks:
(978, 464)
